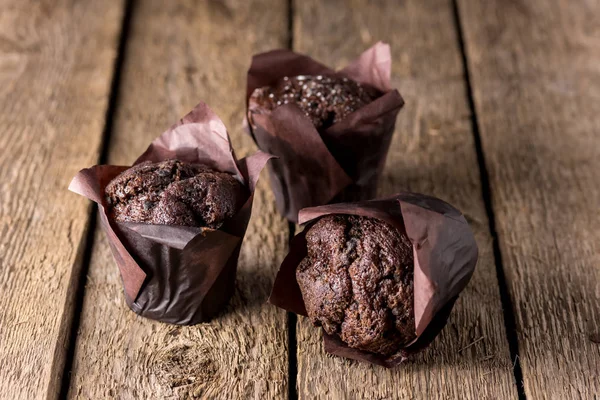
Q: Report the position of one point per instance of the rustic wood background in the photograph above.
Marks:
(502, 119)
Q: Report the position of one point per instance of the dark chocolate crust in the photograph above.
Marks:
(357, 282)
(173, 192)
(325, 100)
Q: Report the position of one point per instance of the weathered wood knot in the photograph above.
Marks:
(185, 368)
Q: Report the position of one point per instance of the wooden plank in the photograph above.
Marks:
(432, 152)
(56, 64)
(535, 72)
(177, 54)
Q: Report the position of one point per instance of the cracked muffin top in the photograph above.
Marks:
(173, 192)
(325, 100)
(357, 282)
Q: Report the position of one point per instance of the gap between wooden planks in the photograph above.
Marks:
(432, 152)
(535, 73)
(56, 65)
(177, 54)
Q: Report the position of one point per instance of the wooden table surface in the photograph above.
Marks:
(502, 119)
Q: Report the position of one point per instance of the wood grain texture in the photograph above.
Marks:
(432, 152)
(535, 72)
(177, 54)
(56, 65)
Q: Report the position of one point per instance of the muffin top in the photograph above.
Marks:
(173, 192)
(325, 100)
(357, 282)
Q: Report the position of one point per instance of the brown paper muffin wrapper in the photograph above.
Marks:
(178, 274)
(341, 163)
(445, 255)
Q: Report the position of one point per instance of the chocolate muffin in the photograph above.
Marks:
(325, 100)
(173, 192)
(357, 282)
